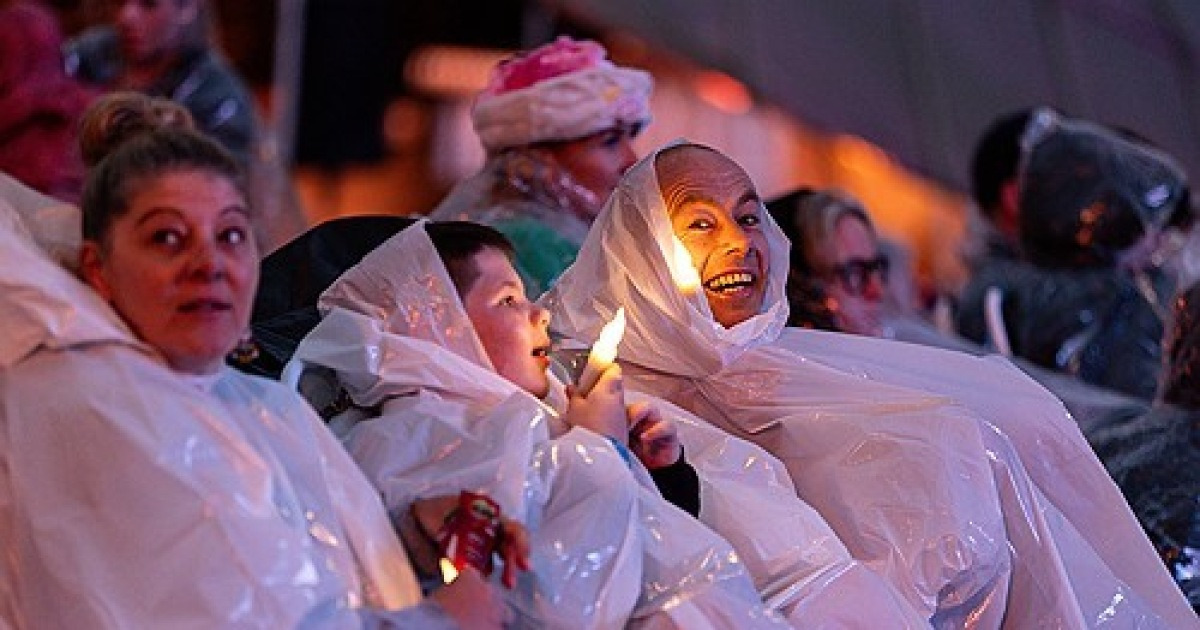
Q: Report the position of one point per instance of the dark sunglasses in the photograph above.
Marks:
(855, 274)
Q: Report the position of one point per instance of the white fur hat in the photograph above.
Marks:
(561, 91)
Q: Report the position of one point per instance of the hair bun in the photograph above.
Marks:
(116, 118)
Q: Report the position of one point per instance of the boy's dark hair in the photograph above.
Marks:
(457, 242)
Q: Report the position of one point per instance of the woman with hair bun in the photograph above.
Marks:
(144, 483)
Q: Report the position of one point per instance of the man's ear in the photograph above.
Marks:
(91, 269)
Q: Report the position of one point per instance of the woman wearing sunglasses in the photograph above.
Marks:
(838, 277)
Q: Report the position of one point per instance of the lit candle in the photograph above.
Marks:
(685, 275)
(449, 572)
(603, 352)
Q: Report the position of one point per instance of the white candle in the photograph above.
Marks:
(603, 352)
(449, 572)
(680, 263)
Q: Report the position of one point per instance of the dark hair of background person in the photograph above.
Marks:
(997, 155)
(127, 137)
(808, 304)
(457, 242)
(1181, 369)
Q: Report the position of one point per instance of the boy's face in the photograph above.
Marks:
(513, 330)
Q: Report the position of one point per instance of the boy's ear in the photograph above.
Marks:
(91, 269)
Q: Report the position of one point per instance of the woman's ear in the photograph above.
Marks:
(91, 269)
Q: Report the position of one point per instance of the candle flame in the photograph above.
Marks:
(685, 275)
(605, 348)
(449, 572)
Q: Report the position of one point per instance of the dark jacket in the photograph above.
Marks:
(1101, 325)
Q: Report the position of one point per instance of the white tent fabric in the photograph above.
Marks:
(909, 452)
(922, 79)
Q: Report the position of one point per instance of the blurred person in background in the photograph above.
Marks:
(161, 48)
(1155, 458)
(40, 105)
(558, 123)
(838, 279)
(1098, 215)
(994, 187)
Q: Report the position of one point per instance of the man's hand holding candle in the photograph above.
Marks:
(653, 438)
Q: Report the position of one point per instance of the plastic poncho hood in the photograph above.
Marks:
(630, 254)
(44, 305)
(1088, 195)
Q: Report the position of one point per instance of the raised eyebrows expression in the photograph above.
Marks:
(169, 226)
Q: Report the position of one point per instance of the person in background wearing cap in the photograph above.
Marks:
(557, 123)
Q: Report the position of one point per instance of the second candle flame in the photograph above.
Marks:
(685, 275)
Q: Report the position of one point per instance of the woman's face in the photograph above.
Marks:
(716, 213)
(151, 30)
(513, 330)
(597, 161)
(180, 266)
(856, 277)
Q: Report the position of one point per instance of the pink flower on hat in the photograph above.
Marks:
(563, 56)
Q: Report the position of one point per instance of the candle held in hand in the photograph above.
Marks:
(682, 272)
(603, 353)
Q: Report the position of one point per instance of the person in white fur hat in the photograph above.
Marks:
(558, 124)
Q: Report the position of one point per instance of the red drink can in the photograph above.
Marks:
(469, 535)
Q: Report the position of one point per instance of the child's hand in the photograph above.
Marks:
(471, 601)
(603, 410)
(654, 439)
(514, 549)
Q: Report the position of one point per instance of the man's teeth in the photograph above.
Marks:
(729, 281)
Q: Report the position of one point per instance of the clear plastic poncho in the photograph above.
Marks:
(1090, 197)
(798, 563)
(607, 550)
(131, 496)
(904, 450)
